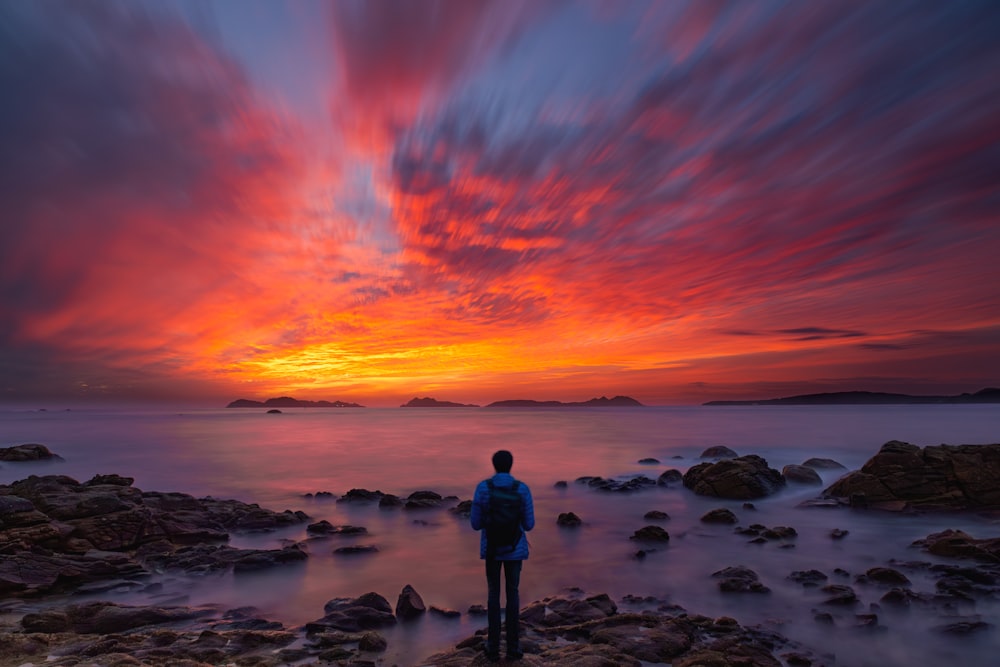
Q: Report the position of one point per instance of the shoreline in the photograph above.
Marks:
(137, 538)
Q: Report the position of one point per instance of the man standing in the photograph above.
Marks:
(502, 509)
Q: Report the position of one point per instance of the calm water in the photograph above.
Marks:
(275, 459)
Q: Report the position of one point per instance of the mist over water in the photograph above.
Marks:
(276, 459)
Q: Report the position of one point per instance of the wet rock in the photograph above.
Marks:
(445, 613)
(422, 500)
(885, 576)
(964, 626)
(28, 452)
(958, 544)
(104, 618)
(739, 579)
(779, 533)
(568, 520)
(838, 534)
(355, 549)
(823, 464)
(651, 534)
(838, 594)
(41, 572)
(718, 452)
(360, 496)
(635, 483)
(559, 610)
(742, 478)
(943, 477)
(801, 475)
(324, 527)
(373, 642)
(389, 501)
(656, 515)
(463, 509)
(366, 612)
(409, 605)
(719, 515)
(649, 461)
(808, 578)
(672, 476)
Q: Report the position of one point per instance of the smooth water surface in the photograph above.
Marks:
(276, 459)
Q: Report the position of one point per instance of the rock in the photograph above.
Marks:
(779, 533)
(366, 612)
(360, 496)
(113, 480)
(463, 509)
(557, 611)
(742, 478)
(651, 534)
(958, 544)
(718, 452)
(201, 558)
(943, 477)
(568, 520)
(808, 578)
(274, 411)
(104, 618)
(649, 461)
(823, 618)
(884, 575)
(719, 515)
(739, 579)
(40, 572)
(635, 483)
(422, 500)
(656, 515)
(838, 534)
(561, 484)
(356, 549)
(749, 506)
(839, 595)
(672, 476)
(964, 627)
(445, 613)
(476, 610)
(409, 605)
(801, 475)
(388, 501)
(28, 452)
(823, 464)
(373, 642)
(324, 527)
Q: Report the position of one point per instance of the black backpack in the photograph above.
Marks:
(503, 518)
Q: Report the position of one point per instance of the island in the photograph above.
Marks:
(988, 395)
(602, 402)
(289, 402)
(428, 402)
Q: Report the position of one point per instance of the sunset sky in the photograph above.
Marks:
(477, 201)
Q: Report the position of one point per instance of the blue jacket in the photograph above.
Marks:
(480, 505)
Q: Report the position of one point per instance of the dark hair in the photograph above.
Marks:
(502, 461)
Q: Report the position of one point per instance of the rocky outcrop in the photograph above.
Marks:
(58, 533)
(958, 544)
(104, 618)
(635, 483)
(28, 452)
(368, 611)
(943, 477)
(741, 478)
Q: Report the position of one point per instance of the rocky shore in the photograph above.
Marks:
(60, 536)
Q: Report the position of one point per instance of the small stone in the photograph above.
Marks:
(749, 506)
(649, 461)
(656, 515)
(561, 484)
(476, 610)
(838, 534)
(356, 549)
(672, 476)
(445, 613)
(568, 520)
(651, 534)
(719, 515)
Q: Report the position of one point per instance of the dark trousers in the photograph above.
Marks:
(512, 577)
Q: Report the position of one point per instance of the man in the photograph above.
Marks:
(502, 509)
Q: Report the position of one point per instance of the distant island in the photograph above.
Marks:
(602, 402)
(989, 395)
(289, 402)
(428, 402)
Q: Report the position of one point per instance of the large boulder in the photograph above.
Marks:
(942, 477)
(366, 612)
(409, 605)
(742, 478)
(801, 475)
(959, 544)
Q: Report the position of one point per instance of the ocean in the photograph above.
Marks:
(275, 460)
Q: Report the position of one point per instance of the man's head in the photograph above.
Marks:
(502, 461)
